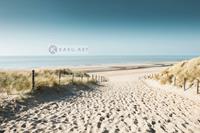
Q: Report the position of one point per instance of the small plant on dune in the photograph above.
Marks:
(64, 71)
(92, 82)
(79, 74)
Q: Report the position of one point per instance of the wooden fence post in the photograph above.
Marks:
(174, 81)
(184, 84)
(72, 77)
(88, 77)
(92, 77)
(33, 79)
(81, 78)
(96, 78)
(59, 76)
(197, 86)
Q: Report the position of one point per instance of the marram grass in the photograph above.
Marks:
(15, 81)
(188, 70)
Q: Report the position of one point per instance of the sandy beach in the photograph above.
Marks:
(99, 66)
(126, 103)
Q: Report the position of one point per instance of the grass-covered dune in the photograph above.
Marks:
(21, 81)
(188, 70)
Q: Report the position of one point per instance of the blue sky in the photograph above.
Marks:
(136, 27)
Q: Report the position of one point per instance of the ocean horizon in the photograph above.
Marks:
(20, 62)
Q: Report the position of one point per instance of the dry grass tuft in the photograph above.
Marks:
(189, 70)
(13, 82)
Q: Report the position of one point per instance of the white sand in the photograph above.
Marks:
(126, 103)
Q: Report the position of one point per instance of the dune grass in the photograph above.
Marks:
(189, 70)
(15, 81)
(12, 82)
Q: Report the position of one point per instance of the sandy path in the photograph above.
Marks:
(124, 104)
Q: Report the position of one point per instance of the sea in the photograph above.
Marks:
(20, 62)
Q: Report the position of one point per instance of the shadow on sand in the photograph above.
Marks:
(42, 95)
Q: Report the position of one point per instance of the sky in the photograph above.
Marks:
(105, 27)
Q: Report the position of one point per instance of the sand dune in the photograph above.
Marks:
(188, 70)
(124, 104)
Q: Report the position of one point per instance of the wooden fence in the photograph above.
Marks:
(175, 82)
(92, 77)
(185, 84)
